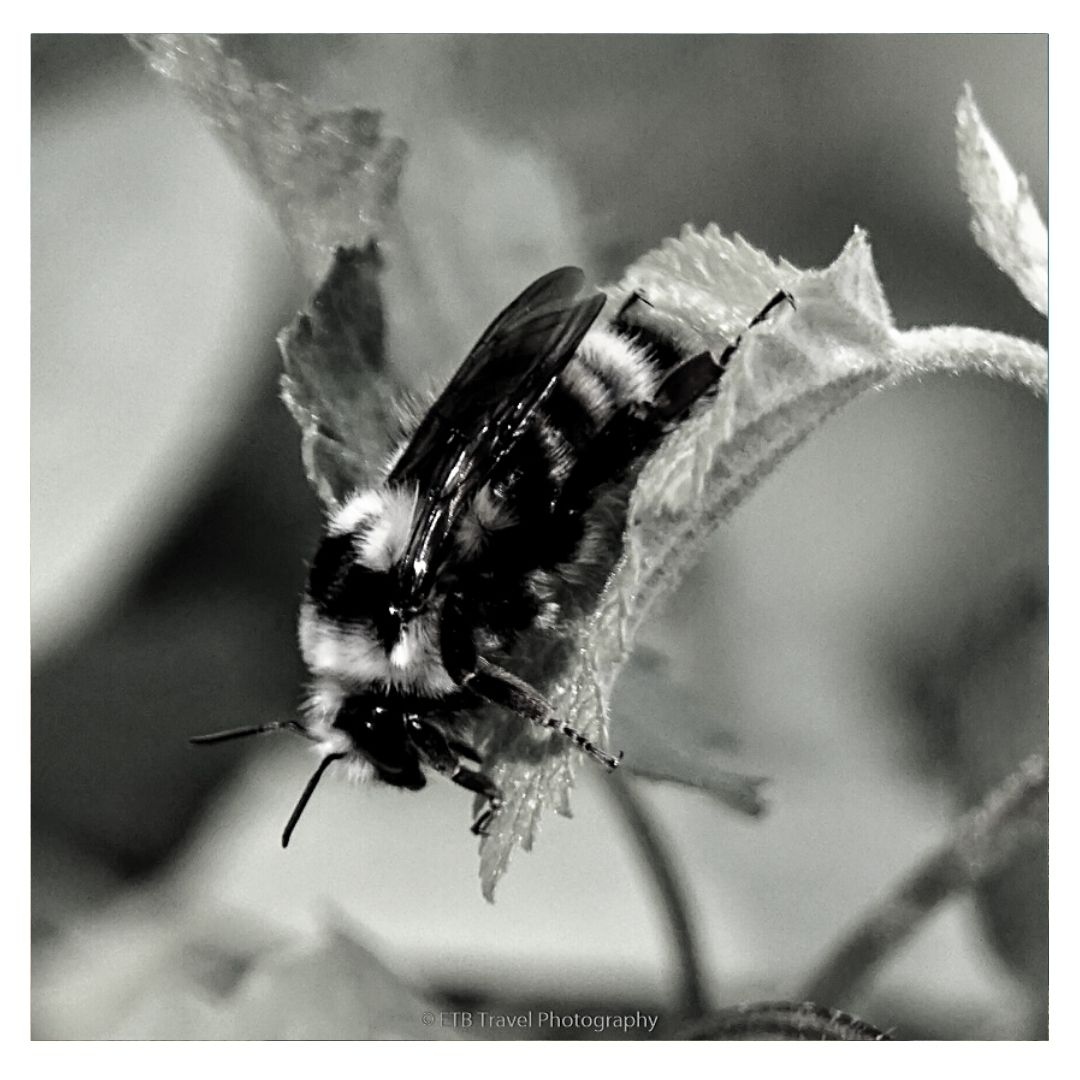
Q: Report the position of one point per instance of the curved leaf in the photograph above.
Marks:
(790, 373)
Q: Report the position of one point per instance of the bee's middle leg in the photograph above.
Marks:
(438, 752)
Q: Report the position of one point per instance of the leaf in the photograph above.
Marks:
(330, 178)
(668, 752)
(334, 989)
(790, 374)
(336, 383)
(327, 987)
(1005, 221)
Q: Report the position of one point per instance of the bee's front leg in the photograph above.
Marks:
(439, 755)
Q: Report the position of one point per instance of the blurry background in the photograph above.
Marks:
(869, 631)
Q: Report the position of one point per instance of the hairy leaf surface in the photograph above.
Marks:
(1005, 221)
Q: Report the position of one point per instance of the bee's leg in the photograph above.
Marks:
(463, 750)
(484, 786)
(457, 647)
(782, 297)
(636, 428)
(620, 316)
(444, 756)
(502, 688)
(693, 378)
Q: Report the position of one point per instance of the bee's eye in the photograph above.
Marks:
(379, 734)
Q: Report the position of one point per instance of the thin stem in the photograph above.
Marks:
(982, 842)
(785, 1021)
(653, 849)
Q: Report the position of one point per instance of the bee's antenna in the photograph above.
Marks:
(305, 798)
(502, 688)
(244, 732)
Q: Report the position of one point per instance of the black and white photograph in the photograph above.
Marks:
(539, 537)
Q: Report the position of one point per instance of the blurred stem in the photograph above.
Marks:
(782, 1020)
(982, 842)
(653, 849)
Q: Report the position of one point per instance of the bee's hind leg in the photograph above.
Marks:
(444, 756)
(782, 296)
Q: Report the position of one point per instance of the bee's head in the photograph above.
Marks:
(362, 732)
(379, 733)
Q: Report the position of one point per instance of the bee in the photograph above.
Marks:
(480, 534)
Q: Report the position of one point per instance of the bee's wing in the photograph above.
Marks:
(484, 410)
(478, 384)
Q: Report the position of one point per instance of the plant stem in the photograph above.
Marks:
(692, 1001)
(981, 843)
(783, 1021)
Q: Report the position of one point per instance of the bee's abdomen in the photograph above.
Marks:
(594, 424)
(546, 536)
(609, 374)
(617, 377)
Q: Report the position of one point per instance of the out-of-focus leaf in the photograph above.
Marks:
(144, 967)
(659, 725)
(149, 972)
(329, 177)
(337, 384)
(1005, 221)
(790, 373)
(334, 989)
(139, 221)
